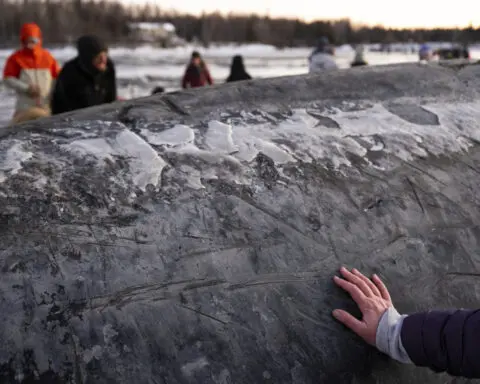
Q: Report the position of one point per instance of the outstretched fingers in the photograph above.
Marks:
(357, 295)
(348, 320)
(367, 281)
(356, 281)
(382, 288)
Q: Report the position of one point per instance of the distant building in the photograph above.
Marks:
(163, 34)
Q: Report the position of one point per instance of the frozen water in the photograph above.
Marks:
(11, 161)
(145, 165)
(219, 138)
(180, 134)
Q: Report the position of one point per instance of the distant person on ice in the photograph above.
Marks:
(87, 80)
(237, 70)
(425, 53)
(359, 59)
(157, 90)
(322, 58)
(31, 71)
(197, 74)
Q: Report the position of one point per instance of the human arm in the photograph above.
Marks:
(111, 94)
(55, 68)
(60, 99)
(186, 79)
(11, 74)
(442, 341)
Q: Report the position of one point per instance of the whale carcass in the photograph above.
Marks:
(192, 237)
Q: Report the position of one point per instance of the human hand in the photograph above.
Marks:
(372, 298)
(34, 91)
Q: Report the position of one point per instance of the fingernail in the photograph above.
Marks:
(355, 270)
(335, 277)
(375, 276)
(335, 313)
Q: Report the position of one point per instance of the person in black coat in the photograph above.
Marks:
(87, 80)
(237, 70)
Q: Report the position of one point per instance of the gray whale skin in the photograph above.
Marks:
(192, 237)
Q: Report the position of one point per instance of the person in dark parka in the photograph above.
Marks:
(237, 70)
(157, 90)
(444, 341)
(87, 80)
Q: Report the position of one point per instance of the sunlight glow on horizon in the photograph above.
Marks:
(402, 14)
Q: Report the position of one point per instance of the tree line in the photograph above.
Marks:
(62, 21)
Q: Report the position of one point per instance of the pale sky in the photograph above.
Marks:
(393, 13)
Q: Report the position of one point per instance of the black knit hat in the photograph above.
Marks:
(90, 46)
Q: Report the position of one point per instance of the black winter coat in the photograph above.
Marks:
(77, 88)
(444, 341)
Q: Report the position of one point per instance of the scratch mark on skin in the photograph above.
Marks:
(53, 260)
(457, 158)
(203, 314)
(395, 239)
(171, 291)
(276, 278)
(426, 173)
(69, 238)
(468, 274)
(188, 236)
(375, 176)
(309, 318)
(333, 246)
(375, 204)
(443, 170)
(452, 202)
(101, 254)
(265, 244)
(77, 359)
(416, 195)
(175, 107)
(278, 219)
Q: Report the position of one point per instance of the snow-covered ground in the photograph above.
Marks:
(140, 70)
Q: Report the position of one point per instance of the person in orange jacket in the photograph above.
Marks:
(31, 72)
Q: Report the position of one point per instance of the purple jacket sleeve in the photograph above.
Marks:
(444, 341)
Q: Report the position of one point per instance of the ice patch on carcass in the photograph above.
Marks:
(253, 140)
(145, 165)
(220, 165)
(11, 161)
(373, 129)
(219, 138)
(190, 368)
(178, 135)
(94, 353)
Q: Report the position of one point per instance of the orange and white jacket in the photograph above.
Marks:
(31, 66)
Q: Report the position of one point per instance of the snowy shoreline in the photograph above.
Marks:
(139, 70)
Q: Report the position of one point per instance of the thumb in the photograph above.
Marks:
(348, 320)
